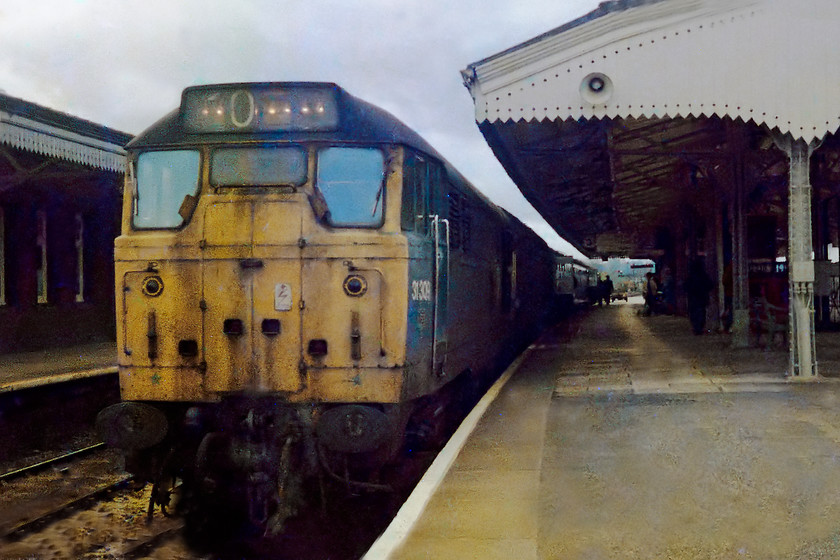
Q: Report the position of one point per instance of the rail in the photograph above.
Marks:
(66, 508)
(5, 477)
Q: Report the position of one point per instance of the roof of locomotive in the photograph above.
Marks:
(359, 121)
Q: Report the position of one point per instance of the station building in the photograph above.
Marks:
(687, 131)
(61, 180)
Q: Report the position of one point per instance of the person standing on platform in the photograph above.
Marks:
(651, 289)
(669, 294)
(599, 290)
(697, 289)
(608, 289)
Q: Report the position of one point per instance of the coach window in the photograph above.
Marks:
(513, 272)
(352, 183)
(2, 257)
(79, 242)
(508, 264)
(41, 254)
(165, 180)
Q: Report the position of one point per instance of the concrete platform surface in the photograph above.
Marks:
(32, 369)
(629, 437)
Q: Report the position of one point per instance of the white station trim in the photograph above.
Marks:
(773, 62)
(34, 136)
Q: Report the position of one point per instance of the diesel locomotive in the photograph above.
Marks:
(303, 284)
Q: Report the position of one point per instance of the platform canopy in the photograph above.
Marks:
(606, 123)
(33, 128)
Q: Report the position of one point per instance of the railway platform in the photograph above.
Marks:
(626, 436)
(26, 370)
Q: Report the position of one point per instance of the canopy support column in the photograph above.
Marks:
(803, 362)
(740, 265)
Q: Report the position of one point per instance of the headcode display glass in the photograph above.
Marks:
(256, 108)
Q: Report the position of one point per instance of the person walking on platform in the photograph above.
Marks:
(697, 289)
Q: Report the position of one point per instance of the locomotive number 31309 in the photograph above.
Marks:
(421, 290)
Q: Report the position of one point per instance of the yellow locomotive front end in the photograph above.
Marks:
(252, 291)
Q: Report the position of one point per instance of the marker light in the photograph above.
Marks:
(355, 286)
(152, 286)
(259, 108)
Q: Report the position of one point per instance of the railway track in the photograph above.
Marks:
(77, 504)
(108, 523)
(49, 416)
(109, 520)
(65, 509)
(81, 505)
(29, 469)
(162, 544)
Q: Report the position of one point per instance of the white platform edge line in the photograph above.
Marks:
(402, 524)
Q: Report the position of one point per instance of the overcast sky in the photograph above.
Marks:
(123, 63)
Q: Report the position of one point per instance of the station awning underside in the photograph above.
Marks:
(609, 185)
(614, 124)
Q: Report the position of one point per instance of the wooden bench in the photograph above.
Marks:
(769, 319)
